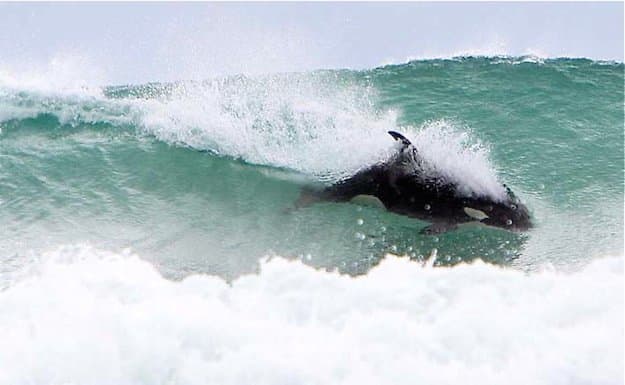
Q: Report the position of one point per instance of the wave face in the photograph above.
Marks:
(199, 179)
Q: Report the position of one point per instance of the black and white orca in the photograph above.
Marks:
(400, 186)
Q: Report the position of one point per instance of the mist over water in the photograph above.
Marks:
(167, 209)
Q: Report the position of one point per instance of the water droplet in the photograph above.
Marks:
(383, 228)
(427, 207)
(509, 222)
(360, 221)
(360, 236)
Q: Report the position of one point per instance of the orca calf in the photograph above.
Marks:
(400, 186)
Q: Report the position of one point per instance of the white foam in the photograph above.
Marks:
(454, 155)
(308, 123)
(90, 316)
(28, 96)
(312, 125)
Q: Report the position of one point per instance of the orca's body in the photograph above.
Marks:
(400, 186)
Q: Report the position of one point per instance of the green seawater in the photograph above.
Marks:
(201, 176)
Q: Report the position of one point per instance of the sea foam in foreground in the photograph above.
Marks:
(80, 315)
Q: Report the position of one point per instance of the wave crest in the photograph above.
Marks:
(325, 124)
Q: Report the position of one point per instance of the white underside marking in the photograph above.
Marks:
(475, 214)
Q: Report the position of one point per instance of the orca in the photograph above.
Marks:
(399, 185)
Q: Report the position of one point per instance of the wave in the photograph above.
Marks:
(479, 56)
(326, 124)
(473, 323)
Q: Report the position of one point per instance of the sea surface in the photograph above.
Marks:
(148, 232)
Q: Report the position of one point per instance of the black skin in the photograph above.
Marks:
(399, 185)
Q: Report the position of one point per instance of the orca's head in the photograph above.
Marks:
(509, 214)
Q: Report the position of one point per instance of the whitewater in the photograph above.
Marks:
(95, 317)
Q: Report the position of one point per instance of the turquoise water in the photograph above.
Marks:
(198, 179)
(200, 175)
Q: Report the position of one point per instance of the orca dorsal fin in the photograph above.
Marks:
(400, 137)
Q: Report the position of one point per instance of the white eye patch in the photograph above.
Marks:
(475, 214)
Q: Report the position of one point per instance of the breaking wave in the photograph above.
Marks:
(324, 124)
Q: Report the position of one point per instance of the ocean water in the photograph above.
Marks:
(148, 233)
